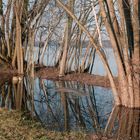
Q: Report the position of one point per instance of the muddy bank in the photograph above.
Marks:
(6, 74)
(4, 78)
(51, 73)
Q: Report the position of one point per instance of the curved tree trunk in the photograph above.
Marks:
(127, 54)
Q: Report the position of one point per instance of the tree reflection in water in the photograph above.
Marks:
(65, 105)
(128, 121)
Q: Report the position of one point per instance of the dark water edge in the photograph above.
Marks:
(71, 106)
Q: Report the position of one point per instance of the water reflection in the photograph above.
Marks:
(128, 121)
(62, 105)
(11, 94)
(66, 105)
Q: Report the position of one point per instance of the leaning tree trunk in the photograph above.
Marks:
(136, 53)
(127, 54)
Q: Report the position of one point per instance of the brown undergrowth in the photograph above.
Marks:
(15, 125)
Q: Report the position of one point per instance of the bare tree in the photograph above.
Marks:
(18, 24)
(127, 54)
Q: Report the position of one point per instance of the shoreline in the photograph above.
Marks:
(52, 73)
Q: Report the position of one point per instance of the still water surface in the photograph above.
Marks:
(61, 105)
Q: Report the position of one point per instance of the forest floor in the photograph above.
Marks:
(16, 125)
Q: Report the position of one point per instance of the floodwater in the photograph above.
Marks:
(51, 55)
(64, 106)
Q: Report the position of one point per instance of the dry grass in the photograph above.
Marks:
(16, 126)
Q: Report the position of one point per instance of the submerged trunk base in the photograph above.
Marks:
(130, 102)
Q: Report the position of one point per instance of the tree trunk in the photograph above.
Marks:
(127, 93)
(67, 36)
